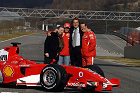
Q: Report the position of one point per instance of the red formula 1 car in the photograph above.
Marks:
(16, 70)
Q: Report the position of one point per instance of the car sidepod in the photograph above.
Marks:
(84, 77)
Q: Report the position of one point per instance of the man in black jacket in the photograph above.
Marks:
(75, 43)
(52, 45)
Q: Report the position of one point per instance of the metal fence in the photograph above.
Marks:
(133, 38)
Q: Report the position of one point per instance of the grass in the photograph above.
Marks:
(122, 60)
(9, 36)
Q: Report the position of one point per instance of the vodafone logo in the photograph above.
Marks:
(76, 84)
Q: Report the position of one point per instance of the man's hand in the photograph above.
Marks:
(57, 54)
(47, 54)
(56, 30)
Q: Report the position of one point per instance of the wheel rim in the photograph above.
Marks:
(49, 77)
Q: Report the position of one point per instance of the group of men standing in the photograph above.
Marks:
(75, 44)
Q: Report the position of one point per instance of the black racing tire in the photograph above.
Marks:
(98, 70)
(95, 68)
(53, 77)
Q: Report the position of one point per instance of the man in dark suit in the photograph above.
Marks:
(75, 43)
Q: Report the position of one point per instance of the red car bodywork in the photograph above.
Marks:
(15, 69)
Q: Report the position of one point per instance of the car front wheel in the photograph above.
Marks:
(53, 77)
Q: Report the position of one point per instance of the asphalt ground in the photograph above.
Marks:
(109, 45)
(32, 48)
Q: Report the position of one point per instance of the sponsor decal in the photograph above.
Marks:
(85, 36)
(81, 74)
(91, 35)
(76, 84)
(91, 38)
(14, 62)
(24, 65)
(67, 25)
(68, 35)
(3, 55)
(85, 68)
(104, 85)
(95, 83)
(8, 71)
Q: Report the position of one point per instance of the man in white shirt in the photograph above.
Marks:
(75, 43)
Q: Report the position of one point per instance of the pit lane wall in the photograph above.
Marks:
(132, 52)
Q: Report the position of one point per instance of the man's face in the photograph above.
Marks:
(60, 31)
(75, 23)
(83, 27)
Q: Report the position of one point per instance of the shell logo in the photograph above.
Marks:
(8, 71)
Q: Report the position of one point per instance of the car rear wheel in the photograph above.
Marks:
(54, 77)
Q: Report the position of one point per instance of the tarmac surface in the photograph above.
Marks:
(107, 45)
